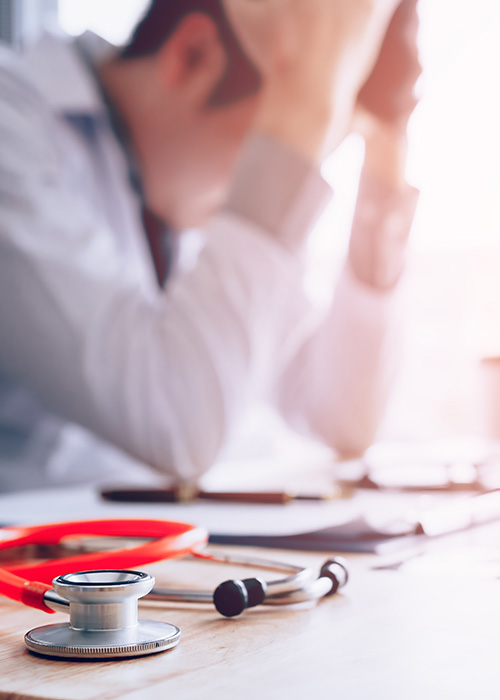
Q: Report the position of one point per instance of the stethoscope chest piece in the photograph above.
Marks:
(103, 619)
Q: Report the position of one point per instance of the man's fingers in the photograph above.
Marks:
(313, 55)
(389, 92)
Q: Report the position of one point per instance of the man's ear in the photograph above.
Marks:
(192, 60)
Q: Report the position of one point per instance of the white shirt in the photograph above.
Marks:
(163, 374)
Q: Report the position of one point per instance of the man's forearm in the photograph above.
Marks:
(384, 212)
(338, 383)
(386, 151)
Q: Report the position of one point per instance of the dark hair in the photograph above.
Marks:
(240, 79)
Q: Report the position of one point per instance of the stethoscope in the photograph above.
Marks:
(102, 594)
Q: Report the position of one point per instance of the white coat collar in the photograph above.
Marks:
(57, 66)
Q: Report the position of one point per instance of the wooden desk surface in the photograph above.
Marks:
(389, 635)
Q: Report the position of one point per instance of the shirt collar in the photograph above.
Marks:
(63, 70)
(60, 68)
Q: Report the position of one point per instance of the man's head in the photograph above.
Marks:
(239, 79)
(188, 94)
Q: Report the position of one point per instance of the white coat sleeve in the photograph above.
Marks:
(337, 383)
(336, 374)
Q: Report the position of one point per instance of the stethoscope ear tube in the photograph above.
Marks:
(231, 598)
(332, 577)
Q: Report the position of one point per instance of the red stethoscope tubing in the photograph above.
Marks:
(171, 540)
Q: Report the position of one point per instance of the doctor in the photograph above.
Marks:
(216, 115)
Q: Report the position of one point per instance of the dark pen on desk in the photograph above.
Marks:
(187, 495)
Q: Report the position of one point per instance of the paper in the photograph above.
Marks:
(332, 525)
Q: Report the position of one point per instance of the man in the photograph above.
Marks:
(216, 115)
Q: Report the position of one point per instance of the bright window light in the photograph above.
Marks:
(454, 157)
(112, 19)
(455, 140)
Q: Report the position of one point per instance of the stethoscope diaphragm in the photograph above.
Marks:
(149, 637)
(103, 620)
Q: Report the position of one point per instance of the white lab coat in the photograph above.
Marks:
(162, 374)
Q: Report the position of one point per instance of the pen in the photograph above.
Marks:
(188, 494)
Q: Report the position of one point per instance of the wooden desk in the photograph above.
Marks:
(390, 635)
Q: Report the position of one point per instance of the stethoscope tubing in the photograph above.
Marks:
(319, 588)
(299, 586)
(173, 540)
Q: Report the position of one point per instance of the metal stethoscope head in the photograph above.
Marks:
(103, 620)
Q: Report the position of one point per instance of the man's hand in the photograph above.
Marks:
(388, 98)
(386, 203)
(389, 94)
(313, 55)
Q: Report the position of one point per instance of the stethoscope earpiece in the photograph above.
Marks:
(336, 570)
(232, 597)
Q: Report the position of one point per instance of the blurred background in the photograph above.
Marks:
(453, 281)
